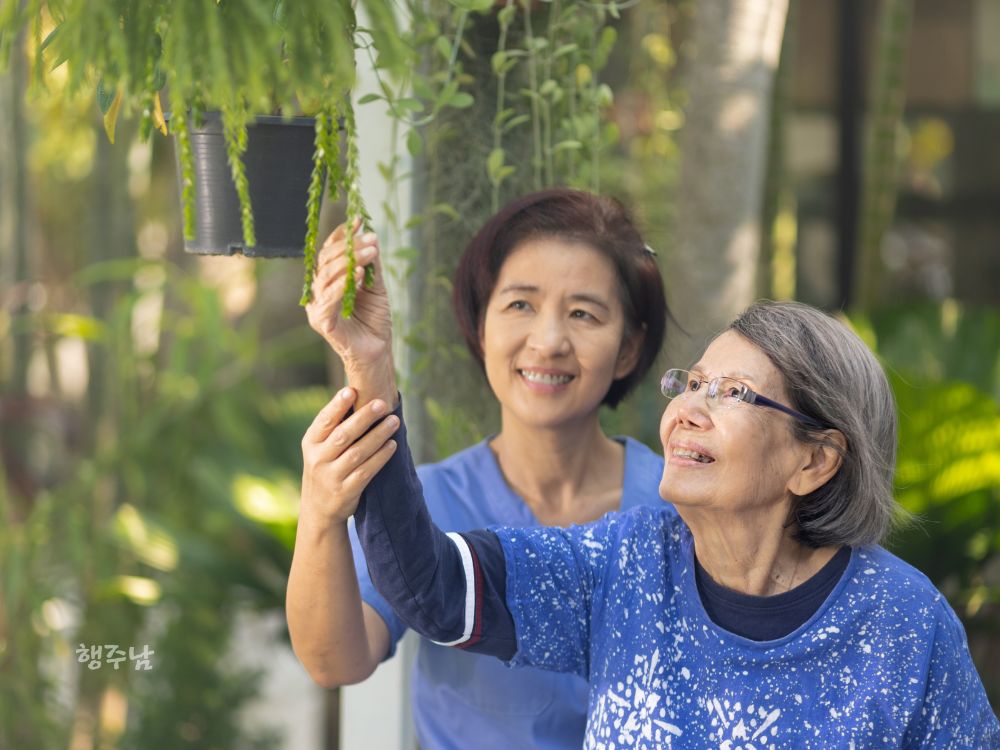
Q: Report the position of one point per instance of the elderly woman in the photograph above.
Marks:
(764, 615)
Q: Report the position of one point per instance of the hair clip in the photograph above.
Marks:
(650, 250)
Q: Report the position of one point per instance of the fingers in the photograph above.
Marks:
(330, 415)
(333, 267)
(358, 453)
(340, 232)
(361, 475)
(335, 243)
(344, 436)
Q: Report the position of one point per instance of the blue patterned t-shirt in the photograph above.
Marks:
(882, 663)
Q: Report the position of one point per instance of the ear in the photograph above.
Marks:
(821, 462)
(628, 353)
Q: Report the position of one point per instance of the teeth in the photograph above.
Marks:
(537, 377)
(685, 453)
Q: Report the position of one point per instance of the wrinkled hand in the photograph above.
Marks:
(367, 335)
(339, 459)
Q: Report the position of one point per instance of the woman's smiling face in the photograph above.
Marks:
(553, 332)
(729, 459)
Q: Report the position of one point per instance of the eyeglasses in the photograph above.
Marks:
(727, 393)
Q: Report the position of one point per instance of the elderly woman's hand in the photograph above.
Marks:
(366, 336)
(340, 456)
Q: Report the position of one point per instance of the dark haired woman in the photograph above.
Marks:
(562, 304)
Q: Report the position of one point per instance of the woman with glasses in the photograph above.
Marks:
(562, 304)
(763, 613)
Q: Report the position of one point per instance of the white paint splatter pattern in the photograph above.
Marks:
(883, 662)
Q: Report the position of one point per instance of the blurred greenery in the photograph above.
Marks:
(944, 366)
(180, 515)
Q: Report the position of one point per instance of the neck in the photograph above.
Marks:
(753, 552)
(562, 473)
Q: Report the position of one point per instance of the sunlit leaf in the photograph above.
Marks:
(111, 117)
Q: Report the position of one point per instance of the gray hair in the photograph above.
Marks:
(830, 374)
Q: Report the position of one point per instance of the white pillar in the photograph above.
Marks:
(376, 713)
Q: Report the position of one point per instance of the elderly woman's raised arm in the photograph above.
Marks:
(338, 638)
(450, 588)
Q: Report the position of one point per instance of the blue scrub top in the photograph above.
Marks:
(461, 698)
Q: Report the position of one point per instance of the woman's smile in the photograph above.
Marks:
(689, 454)
(545, 380)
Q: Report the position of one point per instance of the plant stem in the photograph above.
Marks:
(179, 125)
(533, 83)
(498, 124)
(595, 165)
(547, 109)
(315, 198)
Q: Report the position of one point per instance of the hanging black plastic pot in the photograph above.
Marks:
(278, 160)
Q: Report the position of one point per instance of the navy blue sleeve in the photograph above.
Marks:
(450, 588)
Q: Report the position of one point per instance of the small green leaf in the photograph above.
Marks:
(105, 96)
(566, 49)
(567, 146)
(369, 98)
(48, 39)
(414, 143)
(503, 115)
(548, 87)
(494, 162)
(111, 117)
(461, 100)
(446, 209)
(476, 6)
(498, 61)
(514, 122)
(506, 16)
(409, 104)
(605, 96)
(443, 45)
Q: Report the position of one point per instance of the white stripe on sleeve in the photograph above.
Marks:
(470, 589)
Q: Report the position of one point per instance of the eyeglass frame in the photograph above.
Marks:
(747, 396)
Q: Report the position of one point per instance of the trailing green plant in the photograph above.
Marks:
(245, 58)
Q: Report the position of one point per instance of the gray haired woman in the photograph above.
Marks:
(761, 614)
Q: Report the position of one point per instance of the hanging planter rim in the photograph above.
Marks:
(213, 117)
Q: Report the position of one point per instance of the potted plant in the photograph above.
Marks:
(236, 72)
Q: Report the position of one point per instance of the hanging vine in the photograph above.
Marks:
(355, 210)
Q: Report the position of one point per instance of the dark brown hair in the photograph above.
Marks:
(576, 216)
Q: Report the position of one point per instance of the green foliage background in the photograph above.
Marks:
(161, 503)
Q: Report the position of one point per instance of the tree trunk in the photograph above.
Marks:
(15, 284)
(711, 272)
(14, 265)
